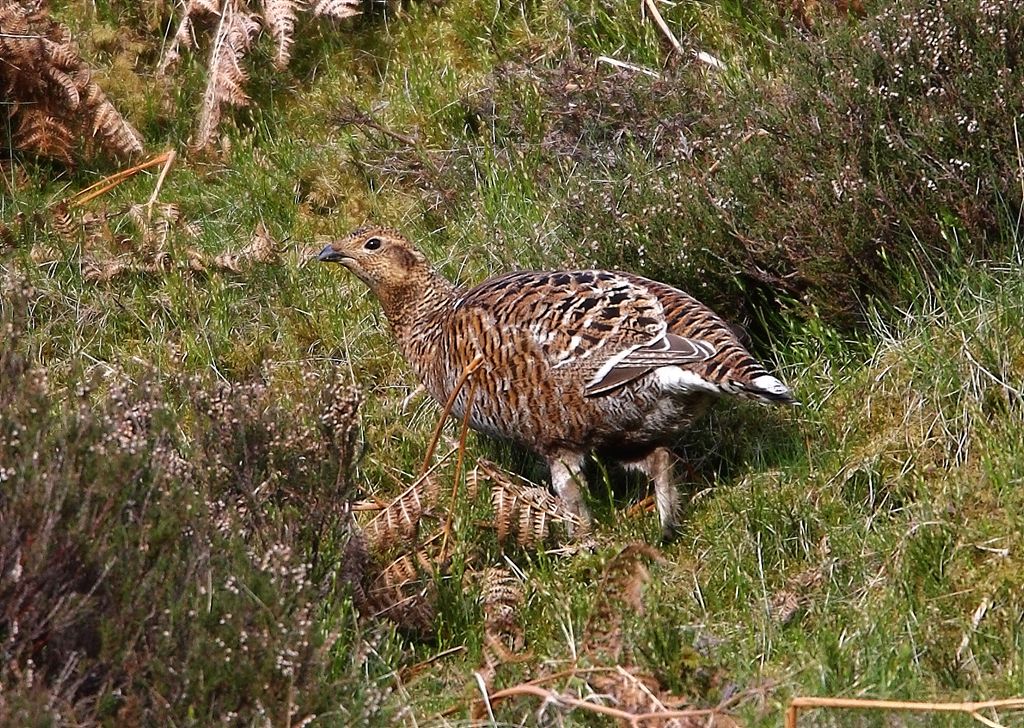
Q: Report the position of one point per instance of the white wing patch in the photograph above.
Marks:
(677, 379)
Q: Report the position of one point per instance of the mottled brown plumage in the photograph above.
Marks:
(572, 361)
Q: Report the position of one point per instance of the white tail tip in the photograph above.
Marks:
(771, 388)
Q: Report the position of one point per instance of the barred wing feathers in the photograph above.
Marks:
(608, 327)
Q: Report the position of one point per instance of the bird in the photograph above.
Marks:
(568, 362)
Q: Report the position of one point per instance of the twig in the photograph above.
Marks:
(470, 368)
(633, 719)
(574, 671)
(171, 154)
(644, 506)
(701, 56)
(627, 66)
(410, 671)
(458, 469)
(108, 183)
(972, 709)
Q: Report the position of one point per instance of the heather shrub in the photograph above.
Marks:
(168, 550)
(866, 146)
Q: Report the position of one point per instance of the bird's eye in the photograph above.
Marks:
(372, 244)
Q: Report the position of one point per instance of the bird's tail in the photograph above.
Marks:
(766, 388)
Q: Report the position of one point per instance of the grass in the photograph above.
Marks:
(864, 544)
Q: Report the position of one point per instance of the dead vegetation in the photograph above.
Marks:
(55, 108)
(524, 510)
(235, 25)
(607, 680)
(142, 239)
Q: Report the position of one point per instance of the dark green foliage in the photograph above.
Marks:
(868, 146)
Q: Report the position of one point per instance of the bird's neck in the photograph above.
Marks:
(419, 302)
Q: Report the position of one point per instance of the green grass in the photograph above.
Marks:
(844, 547)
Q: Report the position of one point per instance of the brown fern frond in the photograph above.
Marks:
(226, 79)
(108, 124)
(619, 594)
(46, 135)
(634, 692)
(339, 9)
(405, 593)
(104, 271)
(66, 86)
(398, 524)
(280, 16)
(154, 225)
(522, 508)
(53, 101)
(502, 597)
(95, 270)
(262, 249)
(68, 228)
(194, 9)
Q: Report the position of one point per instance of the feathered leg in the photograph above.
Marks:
(658, 467)
(566, 477)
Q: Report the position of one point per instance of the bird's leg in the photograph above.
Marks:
(566, 477)
(658, 466)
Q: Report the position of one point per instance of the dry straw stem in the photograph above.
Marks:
(458, 465)
(106, 184)
(721, 711)
(649, 7)
(463, 378)
(971, 709)
(634, 720)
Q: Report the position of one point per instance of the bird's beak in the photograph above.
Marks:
(329, 254)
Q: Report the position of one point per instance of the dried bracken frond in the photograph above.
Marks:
(398, 524)
(799, 588)
(521, 507)
(65, 224)
(262, 249)
(405, 593)
(280, 16)
(183, 36)
(637, 693)
(154, 223)
(227, 77)
(502, 598)
(110, 255)
(237, 23)
(339, 9)
(56, 109)
(104, 271)
(619, 594)
(46, 135)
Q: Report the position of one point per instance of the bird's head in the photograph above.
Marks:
(382, 258)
